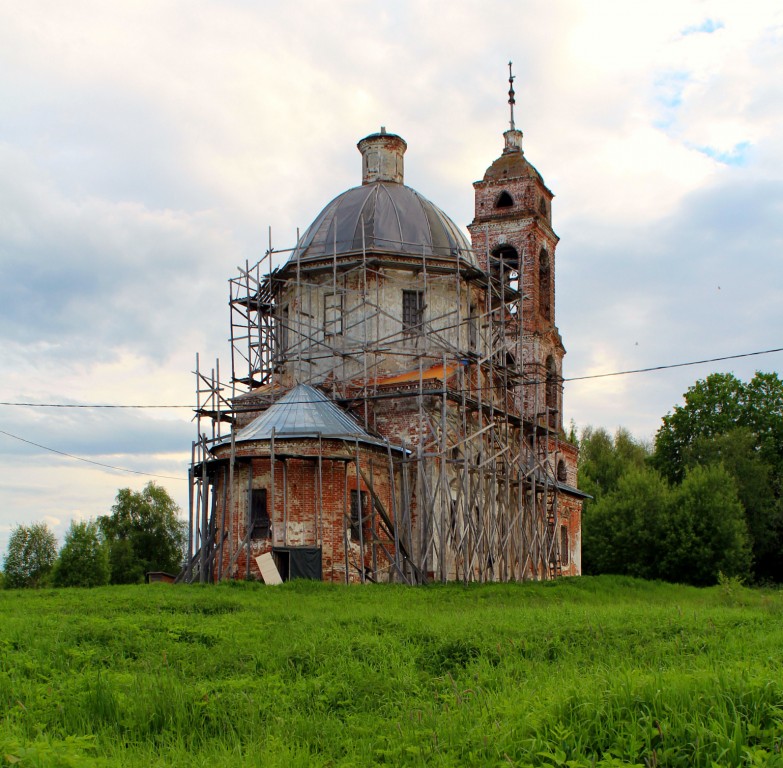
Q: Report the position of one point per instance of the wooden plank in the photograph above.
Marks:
(269, 572)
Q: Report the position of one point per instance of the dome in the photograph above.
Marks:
(512, 163)
(394, 218)
(511, 166)
(383, 214)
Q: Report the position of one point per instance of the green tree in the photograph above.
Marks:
(706, 532)
(32, 551)
(724, 421)
(604, 459)
(715, 406)
(622, 531)
(144, 534)
(686, 533)
(764, 417)
(737, 451)
(83, 559)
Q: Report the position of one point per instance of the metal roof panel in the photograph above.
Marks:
(303, 412)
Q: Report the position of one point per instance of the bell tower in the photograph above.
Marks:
(512, 237)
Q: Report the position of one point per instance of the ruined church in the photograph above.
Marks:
(394, 411)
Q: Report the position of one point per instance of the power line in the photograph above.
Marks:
(674, 365)
(170, 477)
(91, 405)
(525, 383)
(88, 461)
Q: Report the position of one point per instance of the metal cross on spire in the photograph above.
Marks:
(511, 99)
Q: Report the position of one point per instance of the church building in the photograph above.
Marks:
(395, 405)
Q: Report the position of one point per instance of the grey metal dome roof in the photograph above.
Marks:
(304, 412)
(394, 218)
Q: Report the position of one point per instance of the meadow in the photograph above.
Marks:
(601, 671)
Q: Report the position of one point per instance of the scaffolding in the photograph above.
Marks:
(473, 470)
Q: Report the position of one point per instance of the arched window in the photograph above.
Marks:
(505, 256)
(562, 473)
(542, 207)
(544, 285)
(505, 200)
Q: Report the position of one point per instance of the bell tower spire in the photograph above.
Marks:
(513, 239)
(511, 100)
(512, 136)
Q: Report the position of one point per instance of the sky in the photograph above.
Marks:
(147, 148)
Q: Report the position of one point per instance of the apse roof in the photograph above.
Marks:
(304, 412)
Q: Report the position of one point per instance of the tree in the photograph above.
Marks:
(712, 407)
(144, 534)
(737, 451)
(727, 422)
(706, 533)
(622, 532)
(603, 460)
(688, 533)
(32, 551)
(83, 559)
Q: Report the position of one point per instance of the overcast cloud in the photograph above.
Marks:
(146, 147)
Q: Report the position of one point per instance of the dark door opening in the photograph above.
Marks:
(298, 563)
(282, 561)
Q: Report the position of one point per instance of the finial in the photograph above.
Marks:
(511, 100)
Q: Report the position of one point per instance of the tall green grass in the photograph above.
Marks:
(580, 672)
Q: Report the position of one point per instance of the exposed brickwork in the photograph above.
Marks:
(476, 495)
(303, 511)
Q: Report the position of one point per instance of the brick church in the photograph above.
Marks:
(395, 405)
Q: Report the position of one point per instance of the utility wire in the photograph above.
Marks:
(88, 461)
(170, 477)
(91, 405)
(524, 383)
(674, 365)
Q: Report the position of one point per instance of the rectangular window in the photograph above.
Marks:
(564, 546)
(260, 524)
(359, 511)
(412, 312)
(333, 314)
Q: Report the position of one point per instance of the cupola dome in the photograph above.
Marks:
(383, 215)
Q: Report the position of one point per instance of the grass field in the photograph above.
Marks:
(582, 672)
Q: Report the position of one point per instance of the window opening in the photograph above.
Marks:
(412, 312)
(472, 328)
(282, 331)
(333, 314)
(505, 200)
(564, 545)
(544, 288)
(507, 256)
(551, 383)
(562, 474)
(260, 524)
(359, 509)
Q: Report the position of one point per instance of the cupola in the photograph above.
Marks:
(382, 157)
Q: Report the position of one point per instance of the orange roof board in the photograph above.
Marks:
(439, 372)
